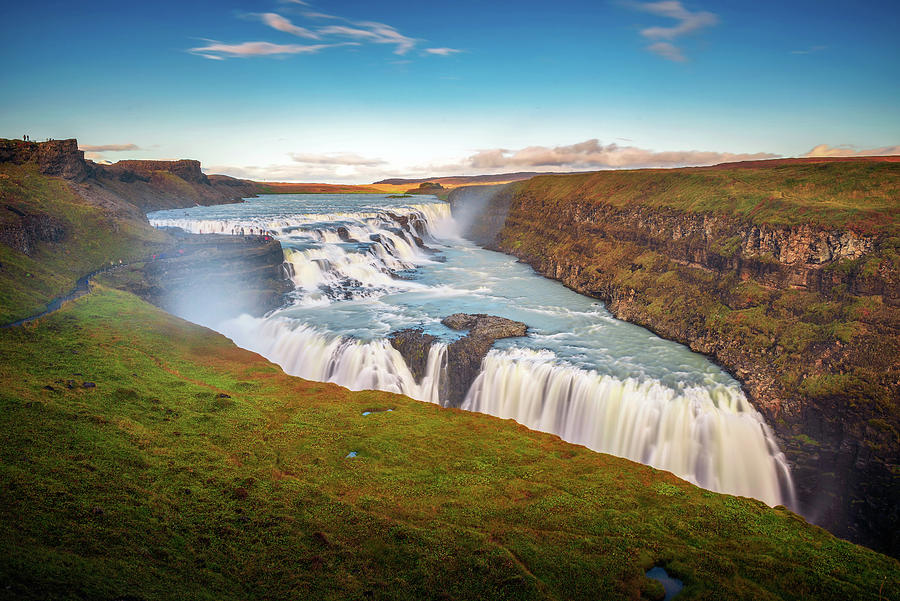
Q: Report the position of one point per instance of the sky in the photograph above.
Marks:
(352, 92)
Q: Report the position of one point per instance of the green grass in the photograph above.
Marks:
(94, 237)
(155, 485)
(858, 195)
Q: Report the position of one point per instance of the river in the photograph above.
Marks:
(366, 265)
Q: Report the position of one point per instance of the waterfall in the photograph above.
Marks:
(710, 436)
(304, 351)
(705, 432)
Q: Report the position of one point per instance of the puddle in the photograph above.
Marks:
(350, 454)
(376, 411)
(671, 585)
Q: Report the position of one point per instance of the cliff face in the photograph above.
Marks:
(805, 316)
(207, 278)
(148, 185)
(62, 217)
(56, 157)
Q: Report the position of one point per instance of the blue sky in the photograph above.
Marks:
(355, 91)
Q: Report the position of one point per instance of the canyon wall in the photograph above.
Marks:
(148, 185)
(62, 217)
(803, 310)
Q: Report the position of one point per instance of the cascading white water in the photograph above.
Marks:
(633, 395)
(709, 436)
(303, 351)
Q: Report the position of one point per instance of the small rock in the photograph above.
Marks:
(222, 395)
(88, 385)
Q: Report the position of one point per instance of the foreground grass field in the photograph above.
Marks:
(195, 470)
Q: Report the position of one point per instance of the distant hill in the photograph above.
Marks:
(506, 178)
(459, 180)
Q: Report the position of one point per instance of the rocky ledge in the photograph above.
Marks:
(208, 277)
(464, 356)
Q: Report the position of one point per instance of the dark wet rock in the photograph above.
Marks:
(413, 344)
(485, 325)
(464, 356)
(222, 395)
(210, 276)
(344, 235)
(403, 220)
(23, 230)
(88, 385)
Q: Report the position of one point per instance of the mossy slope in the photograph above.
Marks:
(194, 469)
(93, 236)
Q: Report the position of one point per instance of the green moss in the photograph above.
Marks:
(155, 485)
(93, 238)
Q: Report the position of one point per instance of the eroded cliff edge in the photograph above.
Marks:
(62, 217)
(786, 275)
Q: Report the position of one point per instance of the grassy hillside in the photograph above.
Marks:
(92, 236)
(861, 195)
(193, 469)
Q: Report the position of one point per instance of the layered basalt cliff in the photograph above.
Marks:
(148, 185)
(803, 311)
(62, 217)
(207, 278)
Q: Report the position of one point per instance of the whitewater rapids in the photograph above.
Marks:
(365, 265)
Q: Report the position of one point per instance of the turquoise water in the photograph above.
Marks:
(366, 265)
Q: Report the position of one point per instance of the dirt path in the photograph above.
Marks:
(82, 288)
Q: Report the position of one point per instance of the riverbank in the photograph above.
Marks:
(147, 457)
(786, 275)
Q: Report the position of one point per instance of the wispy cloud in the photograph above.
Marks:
(810, 50)
(377, 33)
(685, 22)
(276, 21)
(591, 154)
(846, 150)
(442, 51)
(311, 26)
(109, 147)
(336, 159)
(218, 50)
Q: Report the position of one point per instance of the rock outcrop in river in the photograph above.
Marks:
(751, 266)
(464, 356)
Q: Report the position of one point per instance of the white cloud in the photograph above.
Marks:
(307, 172)
(591, 154)
(335, 159)
(109, 148)
(377, 33)
(360, 32)
(218, 50)
(276, 21)
(846, 150)
(667, 50)
(686, 22)
(442, 51)
(810, 50)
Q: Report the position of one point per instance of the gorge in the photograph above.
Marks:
(367, 267)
